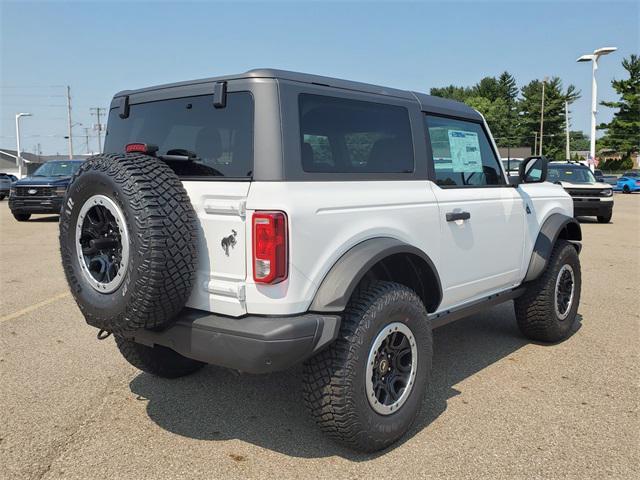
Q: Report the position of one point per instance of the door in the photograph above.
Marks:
(481, 217)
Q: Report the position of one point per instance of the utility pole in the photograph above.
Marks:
(86, 138)
(542, 115)
(566, 128)
(98, 111)
(535, 143)
(69, 120)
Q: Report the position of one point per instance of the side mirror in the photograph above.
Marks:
(533, 170)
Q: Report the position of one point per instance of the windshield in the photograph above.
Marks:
(57, 169)
(196, 139)
(569, 174)
(511, 165)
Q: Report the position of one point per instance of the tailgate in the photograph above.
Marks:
(222, 270)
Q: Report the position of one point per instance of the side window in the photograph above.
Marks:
(339, 135)
(462, 154)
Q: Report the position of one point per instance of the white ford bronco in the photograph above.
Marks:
(267, 219)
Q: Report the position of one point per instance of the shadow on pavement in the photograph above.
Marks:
(267, 410)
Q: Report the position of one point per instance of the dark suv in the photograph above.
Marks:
(43, 191)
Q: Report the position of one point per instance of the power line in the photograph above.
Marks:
(28, 95)
(32, 86)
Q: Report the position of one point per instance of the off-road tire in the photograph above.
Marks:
(605, 218)
(535, 309)
(1, 197)
(162, 232)
(157, 360)
(334, 379)
(22, 217)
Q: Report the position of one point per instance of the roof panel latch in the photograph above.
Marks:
(123, 109)
(220, 95)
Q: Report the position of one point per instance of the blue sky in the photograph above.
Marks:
(100, 47)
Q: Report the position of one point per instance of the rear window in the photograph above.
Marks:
(351, 136)
(218, 141)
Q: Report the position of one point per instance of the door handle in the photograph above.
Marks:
(454, 216)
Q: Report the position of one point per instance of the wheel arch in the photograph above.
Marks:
(556, 226)
(380, 258)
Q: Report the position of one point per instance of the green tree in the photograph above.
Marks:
(554, 140)
(496, 113)
(623, 132)
(579, 141)
(454, 93)
(508, 92)
(487, 87)
(495, 99)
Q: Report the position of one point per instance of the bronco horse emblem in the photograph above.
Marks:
(229, 241)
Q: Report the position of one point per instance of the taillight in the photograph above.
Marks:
(140, 148)
(637, 182)
(269, 247)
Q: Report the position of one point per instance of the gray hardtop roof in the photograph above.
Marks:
(427, 102)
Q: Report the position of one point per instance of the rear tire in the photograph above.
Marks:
(626, 189)
(605, 218)
(157, 360)
(22, 217)
(547, 310)
(371, 415)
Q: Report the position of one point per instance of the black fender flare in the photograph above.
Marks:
(343, 277)
(551, 229)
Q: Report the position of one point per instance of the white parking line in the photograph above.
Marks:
(35, 306)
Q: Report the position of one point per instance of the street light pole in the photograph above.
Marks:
(542, 114)
(566, 130)
(18, 147)
(593, 58)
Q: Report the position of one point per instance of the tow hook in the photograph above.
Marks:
(102, 334)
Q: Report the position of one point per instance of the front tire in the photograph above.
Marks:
(605, 218)
(367, 388)
(157, 360)
(547, 310)
(22, 217)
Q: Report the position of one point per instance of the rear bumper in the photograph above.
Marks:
(35, 205)
(592, 207)
(252, 344)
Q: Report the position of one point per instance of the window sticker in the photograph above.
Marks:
(465, 151)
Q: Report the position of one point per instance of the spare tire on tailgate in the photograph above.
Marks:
(128, 240)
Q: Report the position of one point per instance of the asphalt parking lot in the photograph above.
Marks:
(498, 406)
